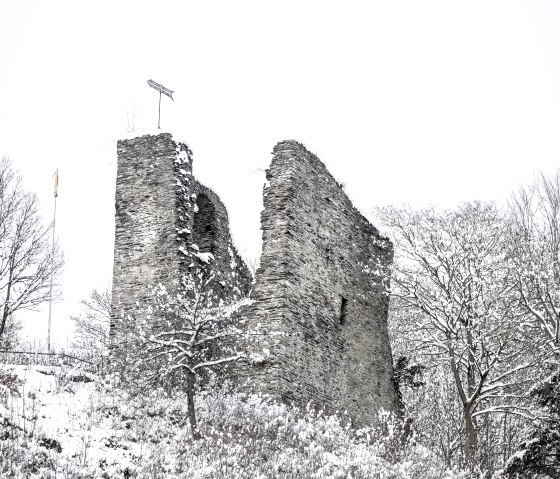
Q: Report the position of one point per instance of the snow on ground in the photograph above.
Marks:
(51, 404)
(59, 408)
(54, 424)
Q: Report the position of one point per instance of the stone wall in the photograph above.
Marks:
(145, 219)
(320, 307)
(319, 295)
(166, 223)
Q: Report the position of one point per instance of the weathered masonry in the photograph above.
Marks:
(165, 220)
(319, 297)
(320, 292)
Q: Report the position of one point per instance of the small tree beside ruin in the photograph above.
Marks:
(183, 336)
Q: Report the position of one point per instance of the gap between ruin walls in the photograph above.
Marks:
(319, 303)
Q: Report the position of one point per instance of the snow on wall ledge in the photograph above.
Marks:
(319, 296)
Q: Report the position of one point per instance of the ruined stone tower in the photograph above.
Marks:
(320, 292)
(164, 221)
(319, 298)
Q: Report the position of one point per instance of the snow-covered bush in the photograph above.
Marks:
(96, 430)
(252, 436)
(9, 383)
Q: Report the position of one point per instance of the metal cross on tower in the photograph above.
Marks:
(166, 91)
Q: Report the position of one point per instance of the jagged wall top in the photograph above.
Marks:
(320, 292)
(320, 300)
(162, 213)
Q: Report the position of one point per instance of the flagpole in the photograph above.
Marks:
(52, 262)
(159, 110)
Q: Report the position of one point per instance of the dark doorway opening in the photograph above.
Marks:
(343, 309)
(204, 225)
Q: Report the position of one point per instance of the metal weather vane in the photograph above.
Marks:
(166, 91)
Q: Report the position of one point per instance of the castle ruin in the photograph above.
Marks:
(319, 295)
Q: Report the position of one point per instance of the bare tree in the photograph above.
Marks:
(91, 326)
(535, 279)
(27, 259)
(451, 270)
(535, 256)
(436, 411)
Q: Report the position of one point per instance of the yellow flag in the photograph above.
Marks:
(56, 183)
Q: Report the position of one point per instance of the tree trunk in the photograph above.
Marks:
(471, 440)
(3, 320)
(190, 403)
(6, 309)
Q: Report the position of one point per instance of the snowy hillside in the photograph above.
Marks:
(66, 424)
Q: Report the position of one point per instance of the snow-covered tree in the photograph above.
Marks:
(534, 245)
(450, 273)
(535, 279)
(539, 455)
(184, 335)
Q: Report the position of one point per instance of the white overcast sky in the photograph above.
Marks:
(406, 102)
